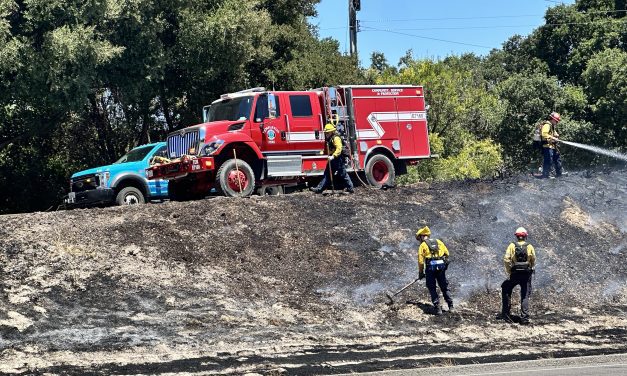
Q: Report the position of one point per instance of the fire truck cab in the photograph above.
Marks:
(260, 139)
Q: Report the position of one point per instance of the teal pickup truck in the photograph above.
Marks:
(123, 183)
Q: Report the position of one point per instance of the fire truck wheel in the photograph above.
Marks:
(270, 191)
(235, 180)
(130, 196)
(379, 171)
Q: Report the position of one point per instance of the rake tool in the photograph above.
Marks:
(391, 296)
(331, 177)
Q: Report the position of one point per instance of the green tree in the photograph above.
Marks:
(605, 79)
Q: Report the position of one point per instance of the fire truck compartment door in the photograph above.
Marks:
(412, 128)
(376, 118)
(284, 165)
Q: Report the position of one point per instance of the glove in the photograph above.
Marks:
(331, 157)
(421, 275)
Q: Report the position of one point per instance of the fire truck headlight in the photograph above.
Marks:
(212, 147)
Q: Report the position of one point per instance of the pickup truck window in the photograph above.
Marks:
(301, 105)
(134, 155)
(231, 109)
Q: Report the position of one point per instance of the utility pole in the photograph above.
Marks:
(353, 25)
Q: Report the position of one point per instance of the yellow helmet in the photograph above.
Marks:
(424, 231)
(329, 128)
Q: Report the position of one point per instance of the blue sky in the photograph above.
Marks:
(429, 28)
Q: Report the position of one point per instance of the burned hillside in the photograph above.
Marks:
(297, 282)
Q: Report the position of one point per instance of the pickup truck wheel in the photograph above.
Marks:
(235, 180)
(380, 171)
(130, 196)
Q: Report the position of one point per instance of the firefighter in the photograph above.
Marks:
(337, 162)
(550, 153)
(432, 264)
(520, 260)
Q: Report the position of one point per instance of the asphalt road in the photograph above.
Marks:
(603, 365)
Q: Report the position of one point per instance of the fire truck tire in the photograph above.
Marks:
(130, 196)
(231, 175)
(272, 190)
(380, 171)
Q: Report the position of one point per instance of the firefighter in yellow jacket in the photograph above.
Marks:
(520, 261)
(550, 153)
(337, 162)
(433, 259)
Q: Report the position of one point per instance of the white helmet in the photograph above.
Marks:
(521, 231)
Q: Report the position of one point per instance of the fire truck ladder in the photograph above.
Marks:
(337, 113)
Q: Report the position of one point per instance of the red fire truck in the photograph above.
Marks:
(265, 140)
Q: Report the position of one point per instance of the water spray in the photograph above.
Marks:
(597, 150)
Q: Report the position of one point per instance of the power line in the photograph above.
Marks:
(502, 26)
(450, 18)
(430, 38)
(384, 20)
(601, 21)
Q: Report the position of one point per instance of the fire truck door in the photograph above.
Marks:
(412, 127)
(304, 127)
(271, 122)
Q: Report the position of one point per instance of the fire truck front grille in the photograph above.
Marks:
(179, 144)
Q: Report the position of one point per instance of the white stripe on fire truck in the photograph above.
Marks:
(301, 136)
(375, 119)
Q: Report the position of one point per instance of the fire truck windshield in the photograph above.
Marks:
(231, 109)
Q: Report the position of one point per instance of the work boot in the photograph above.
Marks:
(315, 190)
(438, 310)
(525, 321)
(504, 317)
(350, 190)
(451, 309)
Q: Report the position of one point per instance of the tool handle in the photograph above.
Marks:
(407, 286)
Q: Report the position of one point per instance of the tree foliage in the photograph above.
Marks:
(81, 82)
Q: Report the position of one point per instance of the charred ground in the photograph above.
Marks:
(297, 281)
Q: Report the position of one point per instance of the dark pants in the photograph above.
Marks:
(440, 277)
(339, 170)
(551, 156)
(524, 280)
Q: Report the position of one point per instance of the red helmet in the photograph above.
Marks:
(520, 231)
(555, 116)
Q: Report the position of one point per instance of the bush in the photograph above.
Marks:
(477, 159)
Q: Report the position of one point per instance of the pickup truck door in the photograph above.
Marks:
(157, 187)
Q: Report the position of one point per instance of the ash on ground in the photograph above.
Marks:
(296, 283)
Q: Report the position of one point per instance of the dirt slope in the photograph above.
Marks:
(295, 283)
